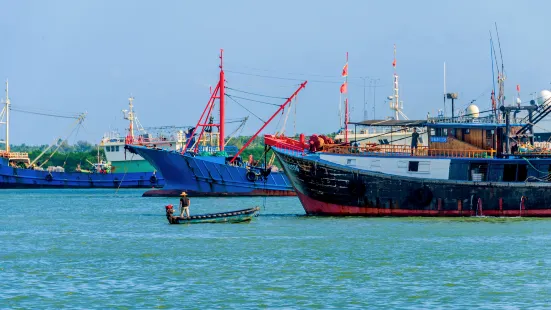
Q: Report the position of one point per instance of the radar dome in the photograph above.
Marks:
(545, 97)
(472, 111)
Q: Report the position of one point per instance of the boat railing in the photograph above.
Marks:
(406, 150)
(466, 120)
(284, 143)
(14, 155)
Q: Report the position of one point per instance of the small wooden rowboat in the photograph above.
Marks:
(237, 216)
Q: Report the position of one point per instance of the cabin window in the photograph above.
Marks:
(351, 162)
(432, 132)
(116, 148)
(413, 166)
(522, 173)
(466, 131)
(514, 173)
(509, 172)
(478, 172)
(107, 149)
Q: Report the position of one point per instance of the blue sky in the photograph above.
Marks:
(74, 56)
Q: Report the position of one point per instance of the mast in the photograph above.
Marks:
(131, 116)
(492, 57)
(344, 91)
(204, 120)
(346, 103)
(444, 88)
(7, 118)
(395, 103)
(501, 78)
(221, 130)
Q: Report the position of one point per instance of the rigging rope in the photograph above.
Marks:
(274, 104)
(44, 114)
(231, 97)
(293, 79)
(255, 94)
(122, 179)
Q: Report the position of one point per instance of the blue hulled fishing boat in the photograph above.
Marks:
(17, 170)
(207, 167)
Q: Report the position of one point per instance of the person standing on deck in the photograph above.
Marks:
(184, 204)
(414, 140)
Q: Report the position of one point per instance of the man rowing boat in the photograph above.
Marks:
(184, 204)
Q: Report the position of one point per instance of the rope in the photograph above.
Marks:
(58, 147)
(44, 114)
(264, 102)
(240, 129)
(65, 161)
(546, 172)
(255, 94)
(293, 79)
(231, 97)
(122, 179)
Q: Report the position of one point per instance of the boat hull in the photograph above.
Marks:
(239, 216)
(209, 176)
(11, 177)
(325, 188)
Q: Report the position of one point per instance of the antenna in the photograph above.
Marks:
(395, 103)
(444, 88)
(501, 97)
(7, 140)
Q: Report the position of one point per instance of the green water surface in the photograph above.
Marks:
(97, 249)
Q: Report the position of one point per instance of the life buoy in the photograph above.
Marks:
(251, 176)
(153, 179)
(422, 196)
(49, 177)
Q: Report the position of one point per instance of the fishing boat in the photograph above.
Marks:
(238, 216)
(17, 170)
(483, 163)
(469, 168)
(164, 137)
(207, 166)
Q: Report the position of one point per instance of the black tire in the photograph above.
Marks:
(251, 176)
(153, 179)
(422, 196)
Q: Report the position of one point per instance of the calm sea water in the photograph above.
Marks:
(97, 249)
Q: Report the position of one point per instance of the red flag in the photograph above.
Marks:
(344, 88)
(518, 88)
(345, 70)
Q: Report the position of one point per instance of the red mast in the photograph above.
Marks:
(204, 119)
(221, 132)
(344, 90)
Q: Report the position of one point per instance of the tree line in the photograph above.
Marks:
(69, 156)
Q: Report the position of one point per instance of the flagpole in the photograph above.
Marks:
(346, 104)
